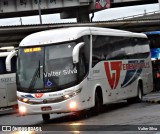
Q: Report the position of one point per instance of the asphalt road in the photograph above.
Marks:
(117, 114)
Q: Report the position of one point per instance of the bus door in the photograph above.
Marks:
(3, 94)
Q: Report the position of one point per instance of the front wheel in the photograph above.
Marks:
(98, 105)
(45, 117)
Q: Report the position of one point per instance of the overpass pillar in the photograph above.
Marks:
(81, 14)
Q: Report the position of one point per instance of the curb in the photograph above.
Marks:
(152, 101)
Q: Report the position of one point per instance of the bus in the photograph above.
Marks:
(80, 68)
(154, 38)
(8, 88)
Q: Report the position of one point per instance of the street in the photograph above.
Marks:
(120, 113)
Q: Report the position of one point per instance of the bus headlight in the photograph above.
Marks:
(66, 96)
(25, 100)
(70, 95)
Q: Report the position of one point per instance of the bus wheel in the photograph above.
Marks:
(98, 105)
(45, 117)
(139, 94)
(130, 100)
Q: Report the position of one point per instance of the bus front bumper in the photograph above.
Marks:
(70, 105)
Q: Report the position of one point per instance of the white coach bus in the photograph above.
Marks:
(72, 69)
(8, 88)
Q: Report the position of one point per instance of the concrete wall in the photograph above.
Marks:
(17, 8)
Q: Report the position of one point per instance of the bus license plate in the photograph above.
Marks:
(47, 108)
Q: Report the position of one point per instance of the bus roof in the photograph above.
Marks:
(72, 33)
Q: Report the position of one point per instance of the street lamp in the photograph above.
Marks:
(39, 10)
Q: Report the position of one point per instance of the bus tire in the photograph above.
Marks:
(98, 105)
(139, 97)
(45, 117)
(130, 100)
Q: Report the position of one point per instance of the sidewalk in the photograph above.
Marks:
(153, 97)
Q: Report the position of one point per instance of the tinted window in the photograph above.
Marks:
(13, 64)
(116, 47)
(84, 56)
(2, 65)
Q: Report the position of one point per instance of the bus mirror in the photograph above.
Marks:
(8, 60)
(75, 53)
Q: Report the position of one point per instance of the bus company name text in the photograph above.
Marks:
(133, 66)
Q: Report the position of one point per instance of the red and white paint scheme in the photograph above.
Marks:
(78, 68)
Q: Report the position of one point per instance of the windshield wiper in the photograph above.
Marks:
(35, 76)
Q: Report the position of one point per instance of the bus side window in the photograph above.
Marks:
(141, 48)
(13, 64)
(2, 65)
(100, 49)
(85, 51)
(95, 60)
(82, 66)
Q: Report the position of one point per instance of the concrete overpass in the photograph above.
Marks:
(79, 9)
(12, 35)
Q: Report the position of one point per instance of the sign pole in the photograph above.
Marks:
(39, 10)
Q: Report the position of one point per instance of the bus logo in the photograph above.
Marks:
(39, 95)
(113, 70)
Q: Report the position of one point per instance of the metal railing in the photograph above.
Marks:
(137, 15)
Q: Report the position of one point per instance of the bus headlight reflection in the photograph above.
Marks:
(22, 109)
(24, 132)
(73, 105)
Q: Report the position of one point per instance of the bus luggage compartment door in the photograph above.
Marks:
(3, 95)
(11, 93)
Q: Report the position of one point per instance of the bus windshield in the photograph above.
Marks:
(46, 69)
